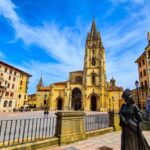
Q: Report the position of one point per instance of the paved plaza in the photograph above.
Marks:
(111, 140)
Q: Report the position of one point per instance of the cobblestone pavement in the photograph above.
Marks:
(111, 140)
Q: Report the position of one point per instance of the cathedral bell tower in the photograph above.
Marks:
(94, 77)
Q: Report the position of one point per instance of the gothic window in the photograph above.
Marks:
(93, 52)
(93, 61)
(93, 78)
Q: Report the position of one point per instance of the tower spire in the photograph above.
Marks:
(40, 82)
(93, 26)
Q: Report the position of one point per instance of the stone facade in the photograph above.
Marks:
(86, 89)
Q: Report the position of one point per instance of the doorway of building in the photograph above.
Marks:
(76, 99)
(59, 104)
(93, 103)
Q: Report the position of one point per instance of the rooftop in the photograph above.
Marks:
(15, 68)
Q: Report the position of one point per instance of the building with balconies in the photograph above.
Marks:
(13, 87)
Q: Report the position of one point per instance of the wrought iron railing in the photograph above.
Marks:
(19, 131)
(96, 121)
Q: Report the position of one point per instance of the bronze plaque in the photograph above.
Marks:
(105, 148)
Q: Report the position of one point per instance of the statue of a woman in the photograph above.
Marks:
(130, 118)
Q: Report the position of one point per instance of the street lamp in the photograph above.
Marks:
(137, 90)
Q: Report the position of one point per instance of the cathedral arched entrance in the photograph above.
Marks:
(93, 103)
(76, 99)
(59, 104)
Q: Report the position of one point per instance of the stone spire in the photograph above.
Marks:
(93, 27)
(40, 82)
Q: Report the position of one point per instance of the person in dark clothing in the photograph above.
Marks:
(130, 118)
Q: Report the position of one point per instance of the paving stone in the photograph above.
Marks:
(112, 140)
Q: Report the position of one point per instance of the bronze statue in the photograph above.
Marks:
(130, 118)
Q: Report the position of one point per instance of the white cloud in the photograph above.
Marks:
(55, 41)
(129, 1)
(124, 42)
(65, 44)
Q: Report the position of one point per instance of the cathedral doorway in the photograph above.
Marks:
(93, 103)
(76, 99)
(59, 104)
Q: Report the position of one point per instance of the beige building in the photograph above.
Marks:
(40, 99)
(16, 85)
(143, 63)
(147, 49)
(86, 89)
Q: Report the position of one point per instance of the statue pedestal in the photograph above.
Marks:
(114, 120)
(70, 127)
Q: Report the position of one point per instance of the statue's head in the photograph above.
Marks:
(127, 95)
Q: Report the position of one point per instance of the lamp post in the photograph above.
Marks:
(137, 90)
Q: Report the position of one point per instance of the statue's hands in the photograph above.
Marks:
(123, 119)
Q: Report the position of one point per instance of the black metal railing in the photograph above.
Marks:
(96, 121)
(19, 131)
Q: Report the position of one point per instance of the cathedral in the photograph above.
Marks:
(85, 89)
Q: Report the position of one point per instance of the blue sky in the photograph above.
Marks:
(47, 37)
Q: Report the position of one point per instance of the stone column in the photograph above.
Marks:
(114, 120)
(70, 126)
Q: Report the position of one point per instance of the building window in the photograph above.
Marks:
(19, 96)
(5, 103)
(1, 74)
(93, 78)
(93, 61)
(14, 79)
(10, 104)
(10, 71)
(143, 61)
(20, 82)
(13, 86)
(7, 94)
(142, 85)
(20, 88)
(11, 94)
(141, 74)
(24, 96)
(144, 72)
(9, 78)
(139, 64)
(15, 73)
(8, 85)
(145, 82)
(5, 69)
(148, 54)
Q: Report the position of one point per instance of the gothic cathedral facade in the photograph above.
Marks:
(86, 89)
